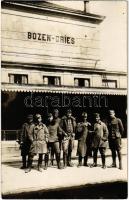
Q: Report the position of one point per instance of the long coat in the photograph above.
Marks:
(25, 141)
(116, 130)
(100, 136)
(39, 139)
(81, 135)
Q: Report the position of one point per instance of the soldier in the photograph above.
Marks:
(57, 120)
(53, 139)
(39, 140)
(115, 132)
(82, 133)
(68, 124)
(25, 142)
(99, 140)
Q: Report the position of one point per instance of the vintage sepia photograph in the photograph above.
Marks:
(64, 99)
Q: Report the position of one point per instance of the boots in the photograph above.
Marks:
(80, 162)
(95, 158)
(103, 162)
(58, 161)
(39, 167)
(52, 158)
(120, 165)
(65, 160)
(120, 160)
(69, 163)
(40, 162)
(114, 159)
(46, 161)
(85, 161)
(23, 162)
(30, 160)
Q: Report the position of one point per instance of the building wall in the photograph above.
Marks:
(67, 78)
(79, 46)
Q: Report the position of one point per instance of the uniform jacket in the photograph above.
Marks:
(25, 141)
(100, 136)
(39, 139)
(116, 128)
(82, 130)
(26, 132)
(81, 136)
(64, 125)
(55, 131)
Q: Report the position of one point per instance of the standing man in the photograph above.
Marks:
(115, 132)
(25, 141)
(57, 120)
(81, 134)
(39, 140)
(53, 139)
(68, 124)
(100, 139)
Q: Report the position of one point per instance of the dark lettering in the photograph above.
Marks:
(49, 38)
(61, 39)
(65, 39)
(34, 36)
(72, 41)
(44, 37)
(39, 36)
(68, 40)
(29, 35)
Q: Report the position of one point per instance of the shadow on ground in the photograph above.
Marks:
(114, 190)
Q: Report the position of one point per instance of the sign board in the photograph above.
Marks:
(36, 39)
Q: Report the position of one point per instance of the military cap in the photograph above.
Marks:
(69, 111)
(111, 111)
(37, 116)
(30, 116)
(50, 115)
(55, 111)
(84, 114)
(96, 114)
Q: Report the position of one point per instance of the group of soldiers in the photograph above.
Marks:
(58, 134)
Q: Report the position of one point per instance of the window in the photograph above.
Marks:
(18, 78)
(81, 82)
(109, 83)
(51, 80)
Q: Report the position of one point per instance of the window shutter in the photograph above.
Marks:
(24, 79)
(45, 80)
(86, 83)
(76, 82)
(57, 81)
(11, 78)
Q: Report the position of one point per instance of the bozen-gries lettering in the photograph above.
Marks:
(50, 38)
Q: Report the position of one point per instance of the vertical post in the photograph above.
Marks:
(4, 135)
(17, 135)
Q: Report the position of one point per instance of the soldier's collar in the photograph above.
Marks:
(39, 124)
(99, 122)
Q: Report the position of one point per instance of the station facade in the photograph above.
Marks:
(51, 59)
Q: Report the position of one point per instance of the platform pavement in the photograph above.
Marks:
(15, 180)
(11, 151)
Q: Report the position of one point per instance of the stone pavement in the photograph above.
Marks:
(15, 180)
